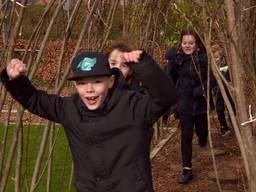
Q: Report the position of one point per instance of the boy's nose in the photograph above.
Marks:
(89, 87)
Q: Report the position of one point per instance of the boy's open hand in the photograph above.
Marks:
(15, 69)
(132, 57)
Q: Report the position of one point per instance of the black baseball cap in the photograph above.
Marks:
(89, 64)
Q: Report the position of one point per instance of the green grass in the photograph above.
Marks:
(32, 135)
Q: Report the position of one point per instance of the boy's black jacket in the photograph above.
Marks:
(110, 146)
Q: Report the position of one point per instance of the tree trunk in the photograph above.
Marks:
(237, 69)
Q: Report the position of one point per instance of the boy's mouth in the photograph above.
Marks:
(92, 100)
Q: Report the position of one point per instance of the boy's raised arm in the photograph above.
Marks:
(36, 101)
(159, 86)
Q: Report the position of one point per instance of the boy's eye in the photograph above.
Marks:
(124, 66)
(98, 81)
(80, 83)
(113, 63)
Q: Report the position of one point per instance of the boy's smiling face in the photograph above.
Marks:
(217, 57)
(115, 60)
(94, 90)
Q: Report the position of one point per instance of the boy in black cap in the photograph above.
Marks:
(107, 125)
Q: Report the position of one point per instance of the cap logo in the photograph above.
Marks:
(87, 64)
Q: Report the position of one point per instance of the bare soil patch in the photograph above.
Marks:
(166, 165)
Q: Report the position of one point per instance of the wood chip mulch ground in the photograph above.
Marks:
(166, 165)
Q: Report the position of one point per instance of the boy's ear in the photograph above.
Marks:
(111, 81)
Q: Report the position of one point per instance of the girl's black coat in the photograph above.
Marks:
(110, 146)
(189, 72)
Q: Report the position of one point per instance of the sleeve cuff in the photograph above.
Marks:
(4, 76)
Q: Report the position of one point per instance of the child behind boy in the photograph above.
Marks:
(107, 125)
(219, 101)
(115, 60)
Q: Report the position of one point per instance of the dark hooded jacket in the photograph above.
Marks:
(189, 73)
(219, 101)
(110, 145)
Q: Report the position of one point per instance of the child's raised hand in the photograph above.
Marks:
(133, 56)
(15, 69)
